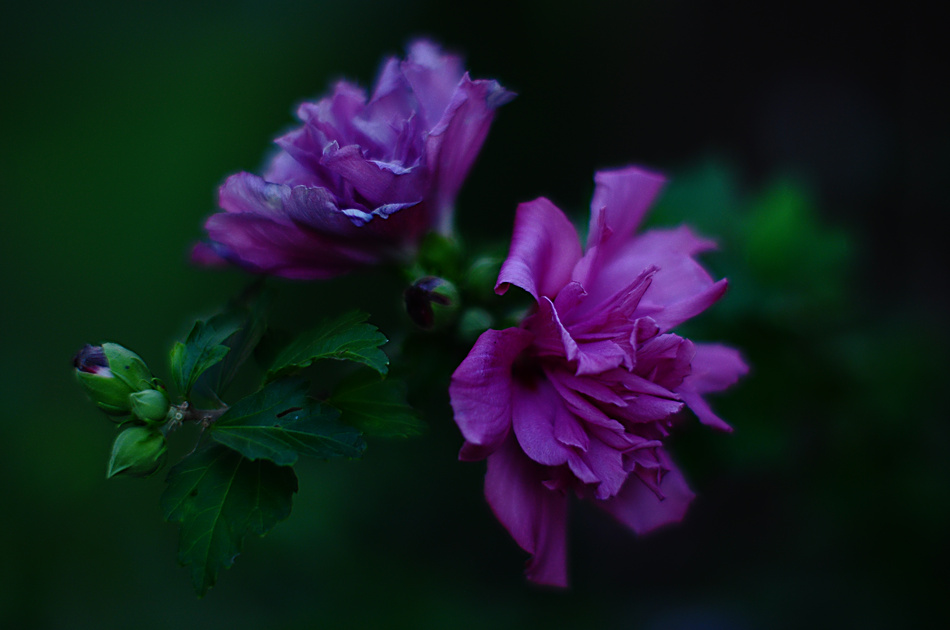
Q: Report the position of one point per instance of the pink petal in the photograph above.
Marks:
(534, 412)
(481, 388)
(434, 77)
(621, 198)
(715, 367)
(637, 507)
(544, 250)
(535, 516)
(454, 142)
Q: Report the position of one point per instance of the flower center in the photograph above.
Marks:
(527, 371)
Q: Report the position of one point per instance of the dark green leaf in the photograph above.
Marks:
(280, 423)
(348, 337)
(377, 407)
(250, 308)
(219, 497)
(203, 348)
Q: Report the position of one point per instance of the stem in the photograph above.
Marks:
(206, 417)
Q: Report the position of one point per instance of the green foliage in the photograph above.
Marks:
(377, 407)
(250, 310)
(137, 452)
(220, 497)
(280, 423)
(203, 349)
(348, 337)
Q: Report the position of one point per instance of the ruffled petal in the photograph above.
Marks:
(621, 199)
(264, 245)
(481, 389)
(544, 250)
(534, 515)
(454, 142)
(535, 410)
(715, 367)
(433, 76)
(639, 508)
(376, 183)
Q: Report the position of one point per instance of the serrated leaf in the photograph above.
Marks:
(202, 349)
(377, 407)
(251, 308)
(348, 337)
(219, 497)
(280, 423)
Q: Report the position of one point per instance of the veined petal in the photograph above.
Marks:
(715, 367)
(264, 245)
(535, 516)
(544, 250)
(637, 507)
(434, 77)
(378, 185)
(535, 410)
(621, 199)
(454, 142)
(481, 387)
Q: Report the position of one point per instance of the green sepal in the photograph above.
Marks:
(377, 407)
(127, 366)
(150, 405)
(220, 497)
(347, 338)
(137, 452)
(108, 393)
(280, 423)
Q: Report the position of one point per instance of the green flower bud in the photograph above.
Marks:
(110, 373)
(431, 301)
(473, 323)
(137, 452)
(150, 405)
(481, 276)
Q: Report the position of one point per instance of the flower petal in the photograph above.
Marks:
(621, 199)
(433, 76)
(454, 142)
(544, 250)
(481, 389)
(637, 507)
(535, 516)
(535, 411)
(715, 367)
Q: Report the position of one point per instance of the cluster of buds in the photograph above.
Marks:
(121, 385)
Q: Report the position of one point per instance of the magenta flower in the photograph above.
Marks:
(581, 395)
(361, 180)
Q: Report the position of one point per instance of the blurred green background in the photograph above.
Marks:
(807, 138)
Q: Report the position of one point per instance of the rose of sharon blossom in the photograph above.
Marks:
(580, 397)
(361, 180)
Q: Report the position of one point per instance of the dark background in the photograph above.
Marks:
(807, 136)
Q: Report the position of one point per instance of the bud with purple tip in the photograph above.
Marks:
(110, 374)
(431, 301)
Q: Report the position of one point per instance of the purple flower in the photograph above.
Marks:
(361, 180)
(581, 395)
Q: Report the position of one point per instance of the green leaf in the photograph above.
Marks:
(203, 348)
(219, 497)
(280, 423)
(377, 407)
(251, 308)
(348, 338)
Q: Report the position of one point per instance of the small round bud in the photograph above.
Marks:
(474, 322)
(431, 301)
(137, 452)
(150, 405)
(481, 276)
